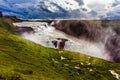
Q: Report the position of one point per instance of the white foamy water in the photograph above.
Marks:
(44, 34)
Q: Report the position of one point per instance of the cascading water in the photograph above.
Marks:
(45, 34)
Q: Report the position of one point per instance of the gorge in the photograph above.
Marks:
(87, 37)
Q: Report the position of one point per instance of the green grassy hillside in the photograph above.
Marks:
(21, 59)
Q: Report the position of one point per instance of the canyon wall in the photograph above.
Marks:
(94, 32)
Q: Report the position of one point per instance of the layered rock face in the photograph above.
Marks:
(21, 30)
(94, 32)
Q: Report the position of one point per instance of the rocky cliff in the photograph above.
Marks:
(103, 32)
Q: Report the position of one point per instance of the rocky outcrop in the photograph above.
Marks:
(1, 14)
(59, 43)
(55, 43)
(113, 46)
(62, 43)
(21, 30)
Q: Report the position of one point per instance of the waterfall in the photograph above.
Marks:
(46, 35)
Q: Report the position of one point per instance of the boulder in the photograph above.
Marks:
(55, 43)
(59, 43)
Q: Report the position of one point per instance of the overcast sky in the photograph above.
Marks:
(83, 9)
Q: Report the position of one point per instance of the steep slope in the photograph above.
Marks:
(24, 60)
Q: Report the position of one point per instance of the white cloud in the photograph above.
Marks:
(114, 12)
(22, 5)
(4, 4)
(97, 5)
(101, 7)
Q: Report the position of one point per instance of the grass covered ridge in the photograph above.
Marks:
(21, 59)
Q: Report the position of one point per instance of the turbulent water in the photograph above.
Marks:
(44, 35)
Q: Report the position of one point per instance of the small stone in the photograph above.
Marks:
(60, 51)
(62, 58)
(81, 63)
(90, 70)
(89, 64)
(66, 64)
(76, 67)
(89, 57)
